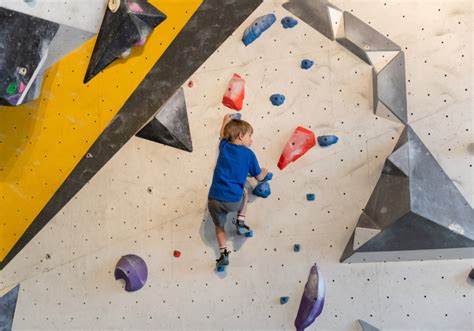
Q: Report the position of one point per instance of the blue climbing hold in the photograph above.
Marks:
(306, 64)
(236, 116)
(220, 268)
(324, 141)
(262, 190)
(257, 28)
(296, 247)
(288, 22)
(310, 197)
(277, 99)
(284, 300)
(268, 177)
(249, 234)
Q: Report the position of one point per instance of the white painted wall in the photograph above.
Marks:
(115, 215)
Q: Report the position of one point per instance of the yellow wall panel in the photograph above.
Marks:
(41, 142)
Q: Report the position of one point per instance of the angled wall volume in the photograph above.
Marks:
(415, 211)
(7, 308)
(389, 87)
(170, 125)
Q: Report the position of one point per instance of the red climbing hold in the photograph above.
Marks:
(300, 142)
(176, 253)
(235, 93)
(190, 84)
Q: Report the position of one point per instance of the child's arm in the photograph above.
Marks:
(262, 175)
(227, 119)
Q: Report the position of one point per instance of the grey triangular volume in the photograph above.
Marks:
(314, 12)
(7, 308)
(360, 38)
(420, 212)
(366, 326)
(170, 125)
(433, 195)
(389, 87)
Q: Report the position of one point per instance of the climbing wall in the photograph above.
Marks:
(150, 199)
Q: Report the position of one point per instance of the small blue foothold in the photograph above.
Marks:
(310, 197)
(257, 27)
(296, 247)
(277, 99)
(288, 22)
(324, 141)
(220, 268)
(284, 300)
(236, 116)
(262, 190)
(268, 177)
(249, 234)
(306, 64)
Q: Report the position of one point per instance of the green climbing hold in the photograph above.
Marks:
(12, 88)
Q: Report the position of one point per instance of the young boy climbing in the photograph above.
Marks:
(227, 193)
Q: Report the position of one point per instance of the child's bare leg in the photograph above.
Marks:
(243, 210)
(220, 235)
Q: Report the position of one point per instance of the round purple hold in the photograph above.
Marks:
(133, 270)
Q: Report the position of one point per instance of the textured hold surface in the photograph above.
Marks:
(262, 190)
(327, 140)
(235, 93)
(277, 99)
(288, 22)
(133, 270)
(300, 142)
(257, 28)
(170, 125)
(415, 211)
(7, 308)
(24, 44)
(312, 301)
(389, 89)
(366, 326)
(306, 64)
(130, 25)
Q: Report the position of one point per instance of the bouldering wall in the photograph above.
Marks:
(150, 199)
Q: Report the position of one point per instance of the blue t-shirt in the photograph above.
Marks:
(233, 165)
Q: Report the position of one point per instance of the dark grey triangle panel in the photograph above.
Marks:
(170, 126)
(433, 194)
(193, 45)
(7, 308)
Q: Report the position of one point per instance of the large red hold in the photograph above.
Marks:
(300, 142)
(235, 93)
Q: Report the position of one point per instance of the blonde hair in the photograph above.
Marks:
(234, 128)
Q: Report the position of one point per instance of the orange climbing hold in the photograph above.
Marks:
(300, 142)
(235, 93)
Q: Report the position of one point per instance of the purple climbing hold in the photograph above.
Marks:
(288, 22)
(277, 99)
(471, 274)
(312, 301)
(306, 64)
(133, 270)
(329, 140)
(258, 26)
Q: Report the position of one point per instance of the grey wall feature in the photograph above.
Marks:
(193, 45)
(415, 211)
(315, 13)
(24, 44)
(389, 88)
(7, 308)
(170, 125)
(364, 326)
(360, 38)
(122, 28)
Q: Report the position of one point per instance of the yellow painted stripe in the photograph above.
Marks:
(41, 142)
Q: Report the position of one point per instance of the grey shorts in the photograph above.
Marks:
(220, 209)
